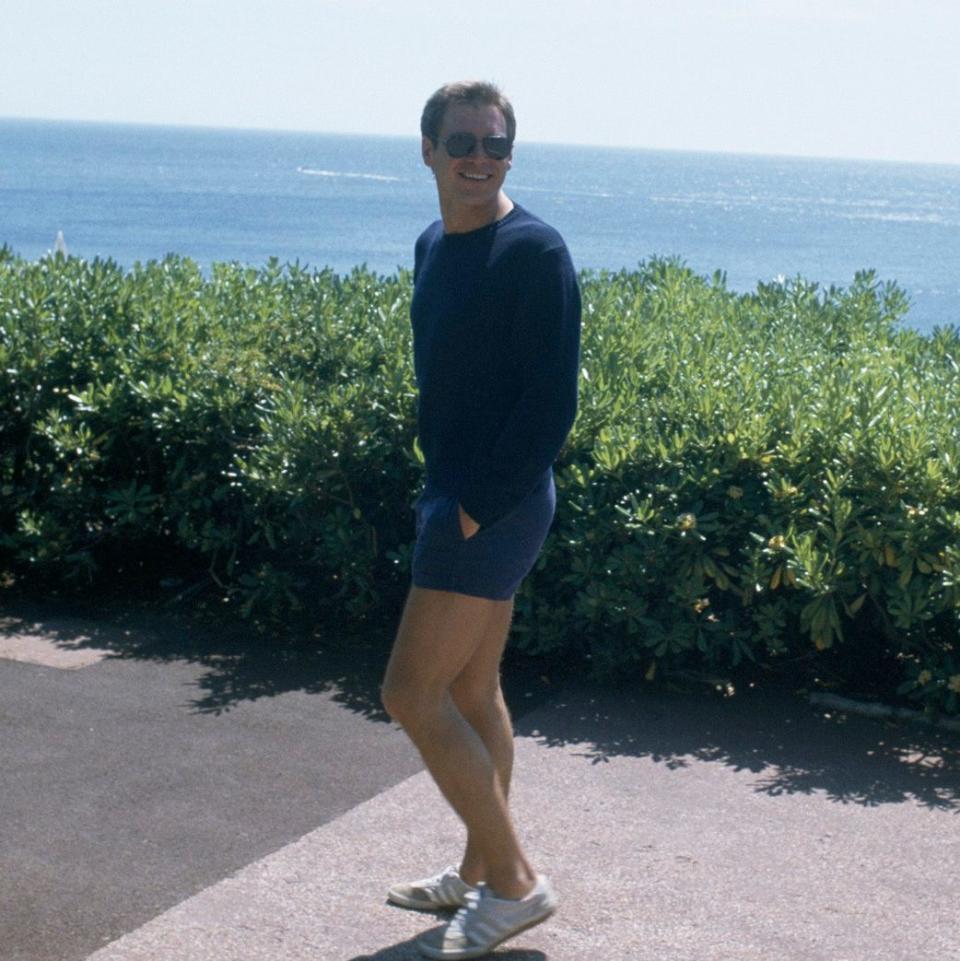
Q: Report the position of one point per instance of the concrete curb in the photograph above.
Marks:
(883, 711)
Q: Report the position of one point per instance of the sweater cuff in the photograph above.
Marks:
(484, 507)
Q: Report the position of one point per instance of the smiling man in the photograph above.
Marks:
(496, 329)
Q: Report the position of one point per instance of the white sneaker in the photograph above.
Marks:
(485, 921)
(444, 890)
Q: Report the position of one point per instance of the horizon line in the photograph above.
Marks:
(414, 136)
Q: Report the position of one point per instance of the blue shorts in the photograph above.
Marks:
(492, 562)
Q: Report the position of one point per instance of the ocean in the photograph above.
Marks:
(134, 193)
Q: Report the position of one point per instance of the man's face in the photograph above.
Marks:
(474, 180)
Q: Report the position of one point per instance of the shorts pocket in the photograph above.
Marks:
(437, 520)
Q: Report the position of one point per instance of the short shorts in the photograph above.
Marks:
(492, 562)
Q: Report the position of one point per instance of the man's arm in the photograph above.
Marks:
(546, 344)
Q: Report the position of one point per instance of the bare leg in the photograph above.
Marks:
(479, 698)
(439, 635)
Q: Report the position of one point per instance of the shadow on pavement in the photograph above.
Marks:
(240, 664)
(792, 746)
(408, 951)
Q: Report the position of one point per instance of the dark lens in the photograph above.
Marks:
(460, 144)
(496, 147)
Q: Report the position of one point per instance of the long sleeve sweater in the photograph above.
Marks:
(496, 327)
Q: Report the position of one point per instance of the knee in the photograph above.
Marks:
(404, 703)
(393, 701)
(479, 703)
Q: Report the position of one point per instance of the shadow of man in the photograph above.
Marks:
(408, 951)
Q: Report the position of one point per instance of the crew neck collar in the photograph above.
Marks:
(478, 231)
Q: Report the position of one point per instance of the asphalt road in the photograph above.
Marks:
(169, 792)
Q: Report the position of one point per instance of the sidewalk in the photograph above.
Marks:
(717, 833)
(673, 826)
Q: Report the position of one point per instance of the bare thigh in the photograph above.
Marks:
(446, 640)
(478, 684)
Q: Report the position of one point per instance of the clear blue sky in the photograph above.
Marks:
(843, 78)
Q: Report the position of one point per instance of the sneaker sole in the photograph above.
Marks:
(479, 952)
(402, 901)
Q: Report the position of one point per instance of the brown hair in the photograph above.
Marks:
(475, 93)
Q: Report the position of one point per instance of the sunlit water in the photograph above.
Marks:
(135, 193)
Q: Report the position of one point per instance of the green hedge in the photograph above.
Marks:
(765, 477)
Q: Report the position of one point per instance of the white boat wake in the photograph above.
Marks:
(310, 172)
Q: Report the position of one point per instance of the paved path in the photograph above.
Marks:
(674, 827)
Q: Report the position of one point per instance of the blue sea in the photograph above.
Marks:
(134, 193)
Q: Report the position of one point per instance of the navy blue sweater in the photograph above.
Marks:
(496, 333)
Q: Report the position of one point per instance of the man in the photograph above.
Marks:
(496, 324)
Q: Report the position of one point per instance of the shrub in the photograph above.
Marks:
(255, 424)
(769, 477)
(757, 477)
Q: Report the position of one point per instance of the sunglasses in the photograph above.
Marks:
(463, 144)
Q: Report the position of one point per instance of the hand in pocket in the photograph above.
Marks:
(468, 526)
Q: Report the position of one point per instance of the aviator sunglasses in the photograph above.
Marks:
(460, 145)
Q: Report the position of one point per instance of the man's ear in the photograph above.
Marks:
(426, 150)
